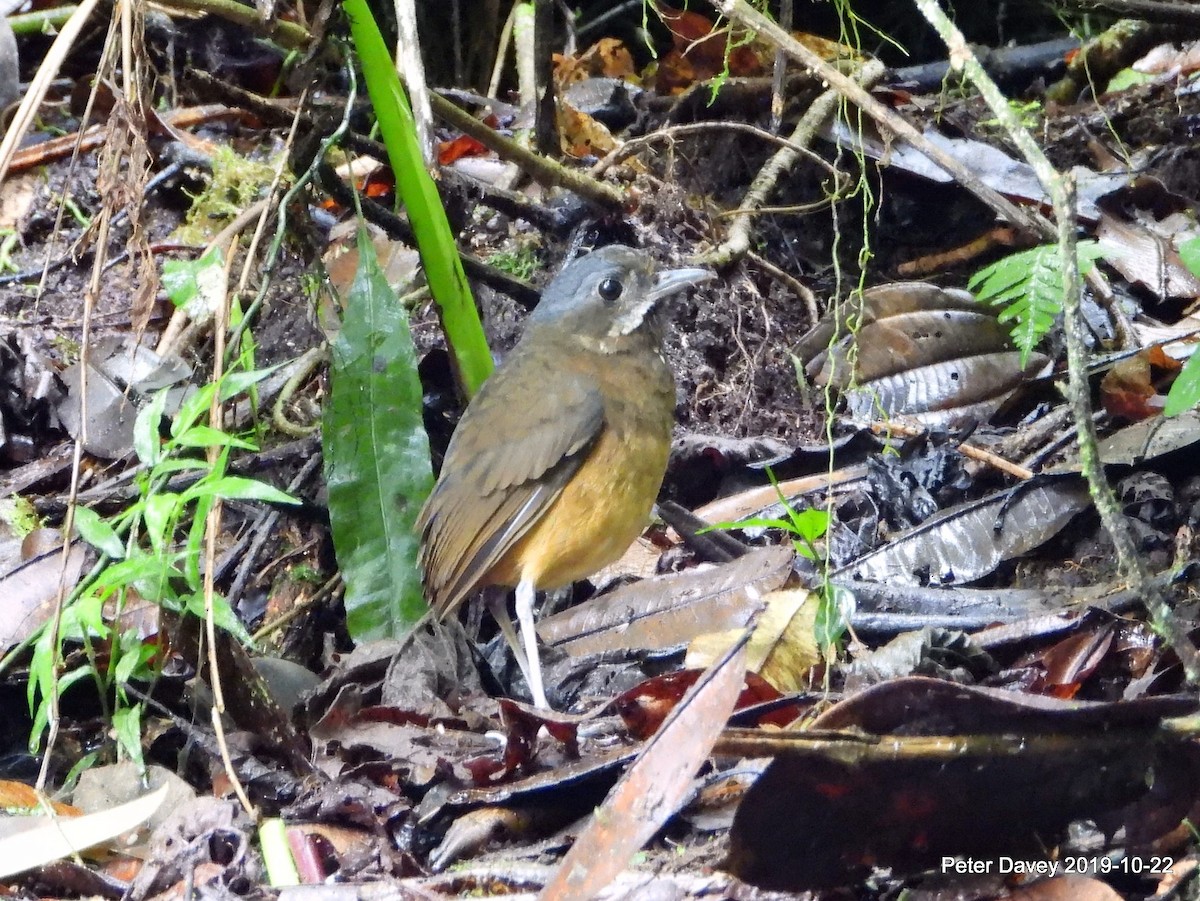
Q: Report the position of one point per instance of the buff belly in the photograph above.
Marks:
(599, 513)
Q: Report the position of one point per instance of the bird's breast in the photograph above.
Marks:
(607, 503)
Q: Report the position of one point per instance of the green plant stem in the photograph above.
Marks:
(1060, 189)
(41, 21)
(435, 241)
(539, 168)
(286, 34)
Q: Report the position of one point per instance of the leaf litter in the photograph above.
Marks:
(420, 765)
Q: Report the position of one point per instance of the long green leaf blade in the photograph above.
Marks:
(376, 457)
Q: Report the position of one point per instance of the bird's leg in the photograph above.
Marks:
(533, 675)
(527, 660)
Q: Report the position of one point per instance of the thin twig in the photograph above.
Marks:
(502, 51)
(797, 287)
(671, 132)
(331, 585)
(412, 71)
(89, 306)
(539, 168)
(287, 34)
(46, 73)
(971, 451)
(1176, 13)
(212, 526)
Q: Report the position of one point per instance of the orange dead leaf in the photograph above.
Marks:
(19, 798)
(457, 148)
(699, 52)
(1127, 390)
(607, 58)
(582, 136)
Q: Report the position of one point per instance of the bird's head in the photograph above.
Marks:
(610, 294)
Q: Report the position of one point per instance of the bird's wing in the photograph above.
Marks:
(520, 441)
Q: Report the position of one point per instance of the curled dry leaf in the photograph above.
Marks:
(929, 353)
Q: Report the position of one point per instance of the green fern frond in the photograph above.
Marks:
(1029, 287)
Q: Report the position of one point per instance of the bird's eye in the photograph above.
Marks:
(610, 289)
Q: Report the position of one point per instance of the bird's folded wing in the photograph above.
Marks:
(520, 441)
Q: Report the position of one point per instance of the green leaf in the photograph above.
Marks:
(1189, 253)
(132, 571)
(223, 615)
(1185, 393)
(834, 614)
(146, 443)
(235, 383)
(84, 619)
(182, 464)
(195, 543)
(193, 407)
(196, 285)
(240, 489)
(127, 727)
(160, 515)
(84, 763)
(810, 524)
(1029, 285)
(206, 436)
(1127, 78)
(134, 654)
(376, 457)
(753, 522)
(98, 533)
(42, 710)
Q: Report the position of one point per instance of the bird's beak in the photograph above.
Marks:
(672, 281)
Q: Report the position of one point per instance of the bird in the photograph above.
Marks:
(553, 469)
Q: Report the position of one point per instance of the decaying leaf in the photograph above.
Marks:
(582, 136)
(1127, 390)
(30, 586)
(783, 647)
(1149, 252)
(1011, 177)
(1152, 438)
(929, 353)
(927, 769)
(120, 374)
(654, 787)
(968, 541)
